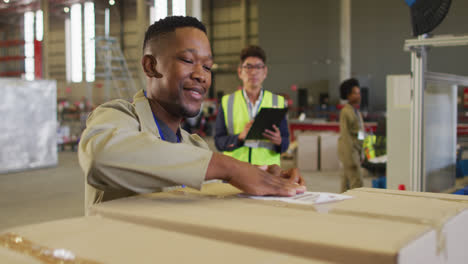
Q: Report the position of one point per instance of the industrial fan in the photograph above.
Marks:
(426, 15)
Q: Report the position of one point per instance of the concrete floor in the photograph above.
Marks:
(41, 195)
(55, 193)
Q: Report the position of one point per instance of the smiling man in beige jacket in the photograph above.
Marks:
(130, 148)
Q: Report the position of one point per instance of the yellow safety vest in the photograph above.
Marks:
(368, 146)
(236, 115)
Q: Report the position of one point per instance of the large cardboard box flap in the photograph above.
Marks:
(446, 214)
(96, 240)
(402, 206)
(295, 230)
(439, 196)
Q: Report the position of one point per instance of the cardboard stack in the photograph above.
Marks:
(93, 240)
(317, 151)
(374, 227)
(215, 224)
(307, 151)
(329, 151)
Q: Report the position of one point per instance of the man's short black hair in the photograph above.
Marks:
(346, 87)
(252, 51)
(170, 24)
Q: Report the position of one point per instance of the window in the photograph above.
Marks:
(89, 34)
(76, 44)
(158, 11)
(39, 26)
(178, 7)
(68, 66)
(29, 45)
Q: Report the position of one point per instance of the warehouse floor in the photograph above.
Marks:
(53, 193)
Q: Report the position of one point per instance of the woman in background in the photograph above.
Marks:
(351, 135)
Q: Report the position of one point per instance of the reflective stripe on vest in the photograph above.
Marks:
(274, 100)
(368, 147)
(230, 114)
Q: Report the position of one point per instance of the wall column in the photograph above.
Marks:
(142, 21)
(194, 8)
(244, 32)
(45, 39)
(345, 39)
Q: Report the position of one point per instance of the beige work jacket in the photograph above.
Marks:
(121, 153)
(349, 147)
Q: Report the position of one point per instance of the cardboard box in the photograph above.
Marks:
(317, 151)
(329, 151)
(98, 240)
(307, 151)
(13, 257)
(447, 214)
(352, 231)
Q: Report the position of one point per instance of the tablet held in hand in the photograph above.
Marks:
(265, 119)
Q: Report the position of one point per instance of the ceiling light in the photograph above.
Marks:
(66, 9)
(111, 2)
(6, 1)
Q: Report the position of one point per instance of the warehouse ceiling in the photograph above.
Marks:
(10, 10)
(17, 6)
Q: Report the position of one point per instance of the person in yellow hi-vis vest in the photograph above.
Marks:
(368, 147)
(238, 110)
(376, 145)
(351, 135)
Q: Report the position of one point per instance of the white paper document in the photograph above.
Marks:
(305, 198)
(379, 159)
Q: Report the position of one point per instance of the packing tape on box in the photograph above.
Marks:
(44, 254)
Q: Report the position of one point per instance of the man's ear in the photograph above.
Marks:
(239, 69)
(148, 62)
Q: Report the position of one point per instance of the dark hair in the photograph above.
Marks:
(346, 87)
(253, 51)
(169, 24)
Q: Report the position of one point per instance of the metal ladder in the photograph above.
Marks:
(112, 67)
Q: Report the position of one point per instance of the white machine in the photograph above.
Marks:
(422, 121)
(28, 137)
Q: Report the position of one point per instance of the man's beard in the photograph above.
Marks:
(177, 108)
(189, 113)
